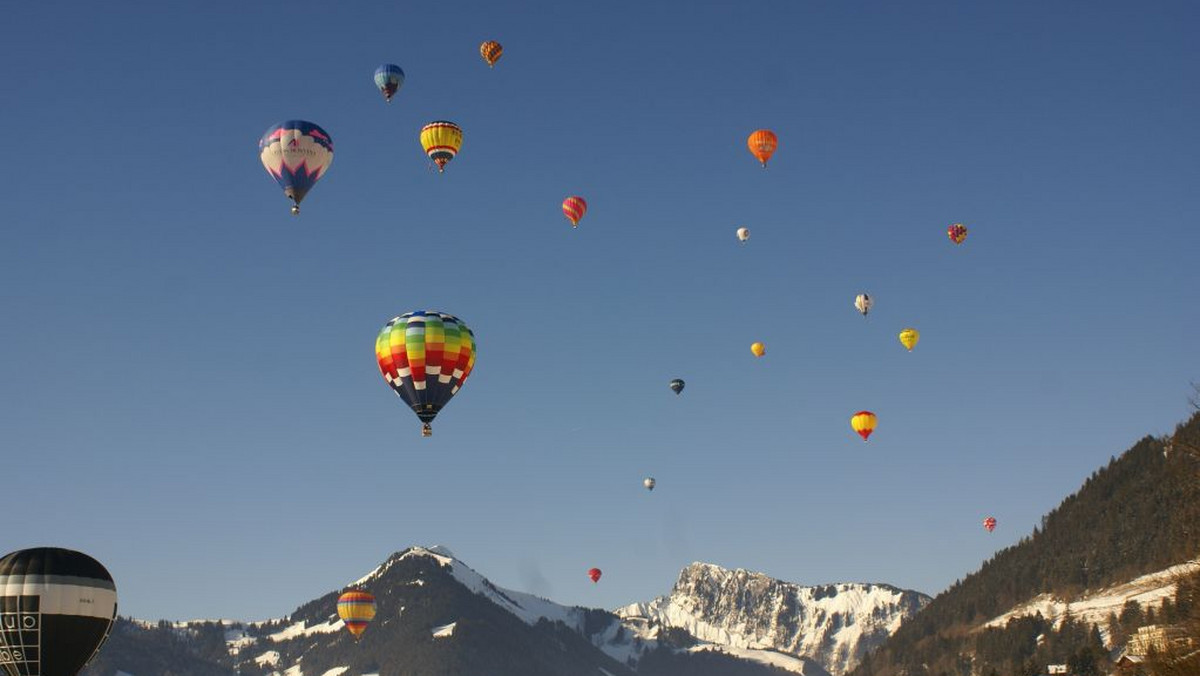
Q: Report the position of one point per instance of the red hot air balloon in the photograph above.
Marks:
(957, 232)
(595, 574)
(574, 208)
(989, 524)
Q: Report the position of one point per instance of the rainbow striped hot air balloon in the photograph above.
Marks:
(425, 356)
(441, 141)
(357, 609)
(296, 154)
(574, 208)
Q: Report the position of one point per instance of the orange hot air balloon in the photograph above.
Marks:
(357, 609)
(574, 208)
(762, 144)
(863, 422)
(595, 574)
(989, 524)
(491, 52)
(957, 232)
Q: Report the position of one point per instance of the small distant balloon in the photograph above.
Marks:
(758, 349)
(491, 52)
(574, 208)
(649, 483)
(909, 337)
(989, 524)
(389, 78)
(957, 233)
(863, 303)
(762, 144)
(595, 574)
(743, 234)
(863, 423)
(677, 385)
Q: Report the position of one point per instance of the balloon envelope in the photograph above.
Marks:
(743, 234)
(595, 574)
(863, 422)
(357, 609)
(389, 78)
(758, 349)
(957, 233)
(574, 208)
(425, 356)
(989, 524)
(649, 483)
(863, 303)
(762, 144)
(296, 154)
(491, 52)
(909, 337)
(441, 141)
(56, 609)
(677, 385)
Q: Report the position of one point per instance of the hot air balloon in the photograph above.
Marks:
(863, 422)
(957, 233)
(296, 154)
(989, 524)
(863, 303)
(389, 78)
(595, 574)
(649, 483)
(357, 609)
(909, 338)
(743, 234)
(426, 357)
(574, 208)
(491, 52)
(56, 609)
(758, 349)
(677, 385)
(762, 144)
(441, 141)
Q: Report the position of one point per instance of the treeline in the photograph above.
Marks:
(1139, 514)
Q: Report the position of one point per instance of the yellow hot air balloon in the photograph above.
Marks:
(863, 422)
(758, 349)
(441, 141)
(909, 338)
(357, 609)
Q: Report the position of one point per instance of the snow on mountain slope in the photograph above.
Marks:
(833, 625)
(1149, 591)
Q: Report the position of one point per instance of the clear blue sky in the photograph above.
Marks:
(187, 372)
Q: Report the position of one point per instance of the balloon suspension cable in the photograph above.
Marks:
(426, 430)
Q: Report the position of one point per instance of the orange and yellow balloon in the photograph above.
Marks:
(863, 423)
(357, 609)
(441, 141)
(762, 144)
(758, 349)
(909, 338)
(491, 52)
(574, 208)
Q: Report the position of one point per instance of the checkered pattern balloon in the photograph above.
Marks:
(426, 357)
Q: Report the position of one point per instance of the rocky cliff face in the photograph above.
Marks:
(833, 625)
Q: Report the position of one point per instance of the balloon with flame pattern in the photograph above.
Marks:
(296, 154)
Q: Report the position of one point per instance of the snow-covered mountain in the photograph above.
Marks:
(438, 615)
(758, 617)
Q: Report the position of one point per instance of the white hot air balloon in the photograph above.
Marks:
(649, 483)
(863, 303)
(743, 234)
